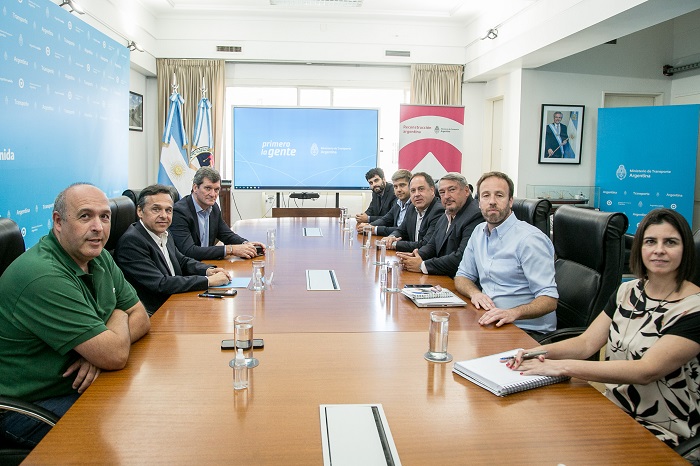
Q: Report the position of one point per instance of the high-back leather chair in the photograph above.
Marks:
(11, 454)
(11, 242)
(589, 249)
(133, 194)
(533, 211)
(696, 275)
(123, 214)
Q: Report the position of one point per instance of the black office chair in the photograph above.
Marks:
(11, 242)
(533, 211)
(11, 454)
(589, 249)
(688, 446)
(123, 214)
(133, 194)
(696, 276)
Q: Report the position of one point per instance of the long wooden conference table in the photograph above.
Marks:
(174, 402)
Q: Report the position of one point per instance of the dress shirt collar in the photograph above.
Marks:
(161, 240)
(199, 209)
(503, 228)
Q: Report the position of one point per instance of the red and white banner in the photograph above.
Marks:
(431, 139)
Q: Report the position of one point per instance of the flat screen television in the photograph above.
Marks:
(303, 149)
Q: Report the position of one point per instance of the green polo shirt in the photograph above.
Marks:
(48, 306)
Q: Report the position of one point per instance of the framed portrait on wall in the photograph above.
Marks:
(561, 130)
(135, 111)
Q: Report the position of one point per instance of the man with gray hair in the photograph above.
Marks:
(443, 252)
(198, 225)
(66, 313)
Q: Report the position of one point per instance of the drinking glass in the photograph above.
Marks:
(395, 270)
(243, 334)
(437, 337)
(258, 275)
(271, 237)
(380, 244)
(383, 269)
(367, 231)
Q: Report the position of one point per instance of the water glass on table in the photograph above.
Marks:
(271, 238)
(367, 231)
(394, 270)
(380, 244)
(437, 337)
(243, 334)
(258, 281)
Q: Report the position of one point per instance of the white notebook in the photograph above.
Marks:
(424, 298)
(493, 375)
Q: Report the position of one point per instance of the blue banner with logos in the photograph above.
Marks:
(646, 159)
(64, 92)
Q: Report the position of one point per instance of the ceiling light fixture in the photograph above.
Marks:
(134, 46)
(73, 6)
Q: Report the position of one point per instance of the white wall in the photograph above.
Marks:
(545, 87)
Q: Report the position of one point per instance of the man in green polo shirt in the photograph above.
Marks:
(66, 313)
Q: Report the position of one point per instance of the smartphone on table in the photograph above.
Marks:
(231, 344)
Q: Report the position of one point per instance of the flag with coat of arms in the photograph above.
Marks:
(203, 143)
(174, 163)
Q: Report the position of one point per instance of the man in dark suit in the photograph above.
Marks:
(443, 253)
(149, 259)
(556, 141)
(392, 219)
(422, 217)
(197, 223)
(382, 197)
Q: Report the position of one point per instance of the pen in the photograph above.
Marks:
(531, 355)
(209, 295)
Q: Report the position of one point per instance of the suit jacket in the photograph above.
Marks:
(443, 253)
(145, 268)
(185, 231)
(407, 230)
(390, 220)
(381, 203)
(551, 142)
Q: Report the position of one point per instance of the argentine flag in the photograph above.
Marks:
(203, 141)
(572, 131)
(174, 167)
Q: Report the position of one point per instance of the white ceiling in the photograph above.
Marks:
(461, 11)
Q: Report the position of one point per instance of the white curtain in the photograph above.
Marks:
(436, 84)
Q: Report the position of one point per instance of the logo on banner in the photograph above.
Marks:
(437, 129)
(621, 173)
(314, 149)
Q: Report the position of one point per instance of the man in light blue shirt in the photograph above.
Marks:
(513, 262)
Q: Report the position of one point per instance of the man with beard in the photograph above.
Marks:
(422, 216)
(383, 197)
(392, 219)
(443, 252)
(513, 262)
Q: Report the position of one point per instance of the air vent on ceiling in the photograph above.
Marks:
(229, 48)
(398, 53)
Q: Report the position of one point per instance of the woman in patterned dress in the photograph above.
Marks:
(651, 329)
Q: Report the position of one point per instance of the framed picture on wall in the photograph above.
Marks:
(135, 111)
(561, 131)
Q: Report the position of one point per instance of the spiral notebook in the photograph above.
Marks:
(424, 298)
(493, 375)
